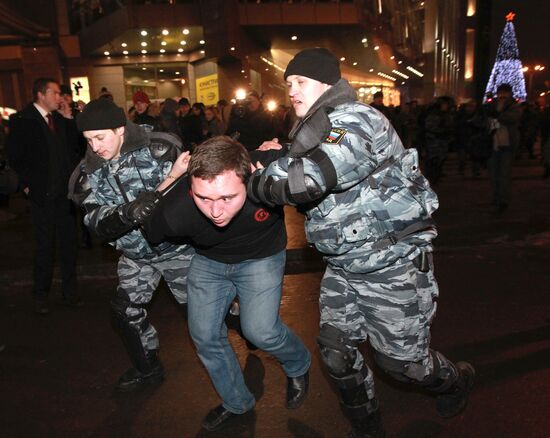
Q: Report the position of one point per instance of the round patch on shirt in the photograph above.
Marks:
(261, 215)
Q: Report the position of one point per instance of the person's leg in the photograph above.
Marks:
(259, 283)
(398, 303)
(342, 330)
(66, 240)
(505, 177)
(493, 165)
(461, 158)
(137, 282)
(44, 240)
(545, 149)
(531, 139)
(175, 271)
(209, 295)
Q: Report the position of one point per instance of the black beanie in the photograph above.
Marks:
(100, 114)
(317, 63)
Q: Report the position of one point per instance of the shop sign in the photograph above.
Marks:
(81, 89)
(207, 89)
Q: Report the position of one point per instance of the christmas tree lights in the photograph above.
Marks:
(507, 68)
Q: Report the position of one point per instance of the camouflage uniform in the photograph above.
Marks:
(368, 211)
(141, 265)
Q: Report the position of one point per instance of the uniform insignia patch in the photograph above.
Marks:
(336, 135)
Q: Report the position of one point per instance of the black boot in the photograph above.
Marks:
(219, 417)
(134, 378)
(296, 390)
(369, 426)
(147, 368)
(363, 413)
(453, 401)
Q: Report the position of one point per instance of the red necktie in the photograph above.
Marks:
(50, 122)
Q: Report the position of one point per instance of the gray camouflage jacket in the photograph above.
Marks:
(118, 181)
(379, 209)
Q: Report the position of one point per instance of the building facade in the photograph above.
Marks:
(207, 49)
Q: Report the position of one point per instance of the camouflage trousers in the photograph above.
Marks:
(138, 279)
(393, 308)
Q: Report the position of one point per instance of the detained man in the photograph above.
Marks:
(240, 253)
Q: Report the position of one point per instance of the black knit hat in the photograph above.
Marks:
(317, 63)
(100, 114)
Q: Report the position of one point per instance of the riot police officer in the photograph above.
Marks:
(368, 210)
(116, 185)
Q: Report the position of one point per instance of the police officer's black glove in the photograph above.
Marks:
(313, 130)
(137, 211)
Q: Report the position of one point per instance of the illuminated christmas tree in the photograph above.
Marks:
(507, 68)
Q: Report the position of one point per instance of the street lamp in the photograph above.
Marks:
(530, 72)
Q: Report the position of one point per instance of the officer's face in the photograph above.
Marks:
(221, 198)
(304, 92)
(105, 143)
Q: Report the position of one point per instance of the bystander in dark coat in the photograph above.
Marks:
(42, 150)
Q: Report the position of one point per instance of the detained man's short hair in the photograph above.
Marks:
(218, 155)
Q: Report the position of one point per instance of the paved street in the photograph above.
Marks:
(57, 371)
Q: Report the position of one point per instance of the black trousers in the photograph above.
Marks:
(54, 228)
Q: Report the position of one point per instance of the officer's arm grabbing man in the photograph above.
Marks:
(368, 210)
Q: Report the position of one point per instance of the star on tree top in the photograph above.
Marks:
(510, 16)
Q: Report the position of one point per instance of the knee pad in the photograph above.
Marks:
(119, 303)
(338, 352)
(404, 371)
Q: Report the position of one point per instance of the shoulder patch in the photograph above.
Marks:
(336, 135)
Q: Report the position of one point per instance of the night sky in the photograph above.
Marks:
(532, 25)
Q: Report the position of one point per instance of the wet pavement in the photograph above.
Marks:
(57, 371)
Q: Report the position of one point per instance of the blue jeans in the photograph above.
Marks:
(257, 283)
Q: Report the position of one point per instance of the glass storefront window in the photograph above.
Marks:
(159, 81)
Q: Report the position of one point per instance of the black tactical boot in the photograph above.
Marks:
(369, 426)
(454, 400)
(134, 378)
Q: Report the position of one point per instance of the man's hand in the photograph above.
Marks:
(178, 169)
(65, 110)
(180, 165)
(270, 144)
(137, 211)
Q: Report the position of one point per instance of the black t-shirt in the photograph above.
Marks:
(257, 231)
